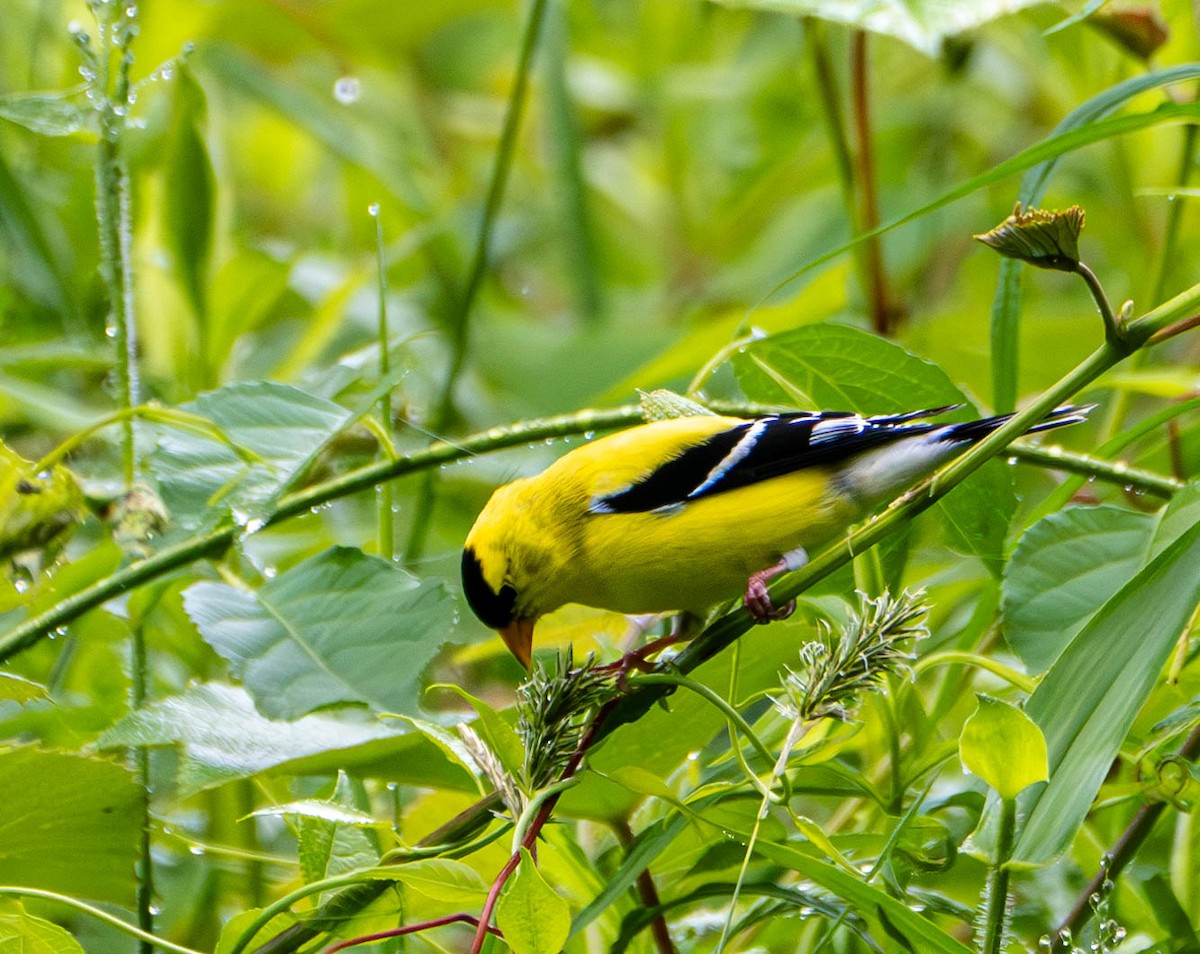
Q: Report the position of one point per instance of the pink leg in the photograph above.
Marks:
(758, 600)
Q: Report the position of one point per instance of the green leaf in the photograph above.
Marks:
(1087, 701)
(499, 735)
(37, 267)
(534, 919)
(60, 808)
(223, 737)
(281, 430)
(26, 934)
(1063, 570)
(834, 367)
(1003, 746)
(1069, 564)
(233, 928)
(329, 845)
(49, 114)
(339, 627)
(923, 24)
(442, 879)
(14, 688)
(190, 192)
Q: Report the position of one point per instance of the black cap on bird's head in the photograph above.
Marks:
(496, 609)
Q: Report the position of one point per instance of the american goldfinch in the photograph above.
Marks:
(684, 513)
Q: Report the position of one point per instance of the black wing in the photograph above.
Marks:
(758, 450)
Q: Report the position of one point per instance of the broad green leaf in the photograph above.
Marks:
(534, 919)
(14, 688)
(328, 844)
(500, 736)
(1088, 699)
(60, 808)
(1061, 573)
(321, 810)
(1003, 746)
(1069, 564)
(833, 367)
(189, 193)
(448, 742)
(340, 627)
(233, 928)
(922, 24)
(442, 879)
(26, 934)
(279, 429)
(223, 737)
(49, 114)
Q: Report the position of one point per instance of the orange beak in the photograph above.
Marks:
(518, 637)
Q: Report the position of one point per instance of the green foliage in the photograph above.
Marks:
(225, 708)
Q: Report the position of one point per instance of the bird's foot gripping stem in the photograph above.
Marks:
(758, 600)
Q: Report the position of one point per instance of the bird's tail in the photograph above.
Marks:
(972, 431)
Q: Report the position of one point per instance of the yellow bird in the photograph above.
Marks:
(684, 513)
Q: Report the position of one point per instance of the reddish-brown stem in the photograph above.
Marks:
(535, 828)
(868, 193)
(1176, 329)
(410, 929)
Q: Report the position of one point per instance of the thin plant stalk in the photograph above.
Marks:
(111, 90)
(117, 25)
(141, 763)
(460, 331)
(835, 130)
(996, 913)
(385, 493)
(868, 191)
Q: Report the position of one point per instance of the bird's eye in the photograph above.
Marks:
(493, 609)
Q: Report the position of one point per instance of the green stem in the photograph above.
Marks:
(141, 761)
(386, 528)
(1113, 331)
(1112, 471)
(98, 914)
(997, 890)
(460, 332)
(113, 216)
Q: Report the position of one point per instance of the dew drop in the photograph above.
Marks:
(347, 90)
(1012, 462)
(373, 210)
(196, 850)
(166, 71)
(75, 28)
(270, 572)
